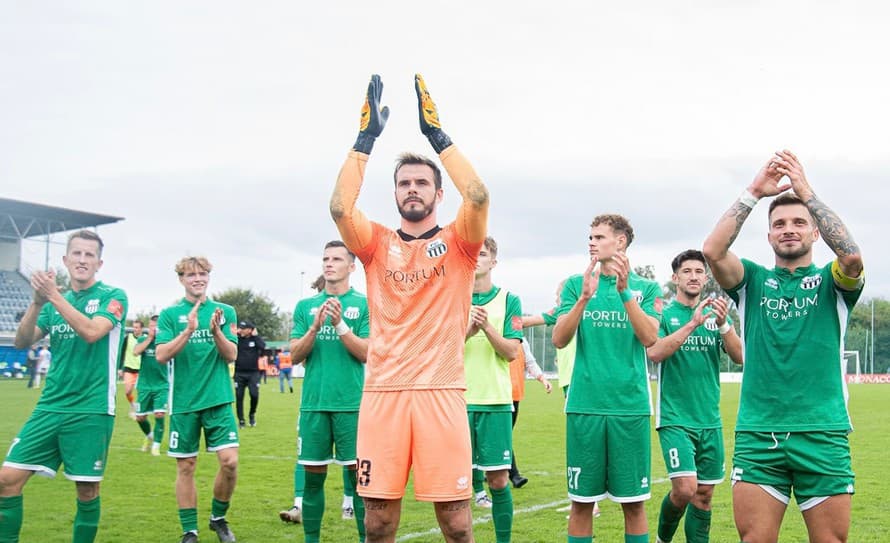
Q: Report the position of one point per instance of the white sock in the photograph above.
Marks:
(347, 502)
(481, 494)
(298, 501)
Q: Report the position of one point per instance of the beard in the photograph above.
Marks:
(792, 253)
(415, 214)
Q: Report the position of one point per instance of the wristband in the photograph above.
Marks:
(842, 280)
(626, 296)
(725, 328)
(748, 200)
(342, 328)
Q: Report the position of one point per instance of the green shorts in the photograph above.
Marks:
(608, 456)
(151, 401)
(78, 440)
(321, 433)
(218, 423)
(491, 437)
(693, 453)
(814, 465)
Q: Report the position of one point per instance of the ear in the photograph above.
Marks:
(622, 242)
(815, 234)
(440, 195)
(674, 279)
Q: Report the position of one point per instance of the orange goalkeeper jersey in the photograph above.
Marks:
(419, 295)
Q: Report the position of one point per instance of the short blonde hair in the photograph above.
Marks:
(492, 246)
(191, 263)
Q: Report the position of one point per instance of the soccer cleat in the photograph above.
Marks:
(483, 501)
(156, 449)
(241, 424)
(253, 422)
(221, 527)
(293, 515)
(189, 537)
(519, 481)
(348, 513)
(146, 444)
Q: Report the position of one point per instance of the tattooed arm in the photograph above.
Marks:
(830, 226)
(724, 264)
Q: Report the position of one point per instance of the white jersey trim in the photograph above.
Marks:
(43, 471)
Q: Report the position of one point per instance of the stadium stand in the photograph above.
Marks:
(15, 295)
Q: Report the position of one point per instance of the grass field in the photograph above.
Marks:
(138, 503)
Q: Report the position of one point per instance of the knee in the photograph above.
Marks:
(11, 482)
(87, 491)
(456, 530)
(497, 479)
(159, 416)
(683, 492)
(229, 464)
(703, 496)
(140, 418)
(185, 467)
(378, 527)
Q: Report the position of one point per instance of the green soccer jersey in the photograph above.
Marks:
(199, 375)
(489, 387)
(83, 376)
(793, 325)
(609, 376)
(153, 375)
(334, 378)
(689, 380)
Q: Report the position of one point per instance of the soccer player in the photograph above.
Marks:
(420, 282)
(153, 388)
(130, 364)
(614, 313)
(494, 337)
(330, 336)
(792, 426)
(247, 370)
(693, 332)
(74, 417)
(524, 363)
(198, 335)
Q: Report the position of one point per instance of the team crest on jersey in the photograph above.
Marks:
(771, 283)
(711, 324)
(351, 312)
(811, 282)
(436, 248)
(92, 307)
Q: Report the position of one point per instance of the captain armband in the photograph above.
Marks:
(841, 280)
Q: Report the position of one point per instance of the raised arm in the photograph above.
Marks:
(567, 323)
(472, 217)
(848, 270)
(725, 265)
(354, 227)
(666, 346)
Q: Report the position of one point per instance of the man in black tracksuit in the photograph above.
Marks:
(247, 370)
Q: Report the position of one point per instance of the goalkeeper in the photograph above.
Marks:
(419, 285)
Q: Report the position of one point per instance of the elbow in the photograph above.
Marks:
(558, 341)
(20, 344)
(710, 251)
(654, 356)
(513, 351)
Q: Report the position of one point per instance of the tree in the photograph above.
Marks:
(859, 332)
(258, 309)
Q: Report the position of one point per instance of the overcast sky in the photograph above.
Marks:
(218, 128)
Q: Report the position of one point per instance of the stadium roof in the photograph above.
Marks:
(20, 220)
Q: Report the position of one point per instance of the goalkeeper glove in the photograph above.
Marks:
(373, 117)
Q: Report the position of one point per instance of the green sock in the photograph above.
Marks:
(218, 509)
(698, 525)
(502, 513)
(580, 539)
(348, 482)
(478, 479)
(144, 426)
(358, 505)
(668, 519)
(313, 506)
(188, 518)
(11, 509)
(159, 430)
(299, 484)
(86, 521)
(642, 538)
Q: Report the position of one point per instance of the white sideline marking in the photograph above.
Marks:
(486, 518)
